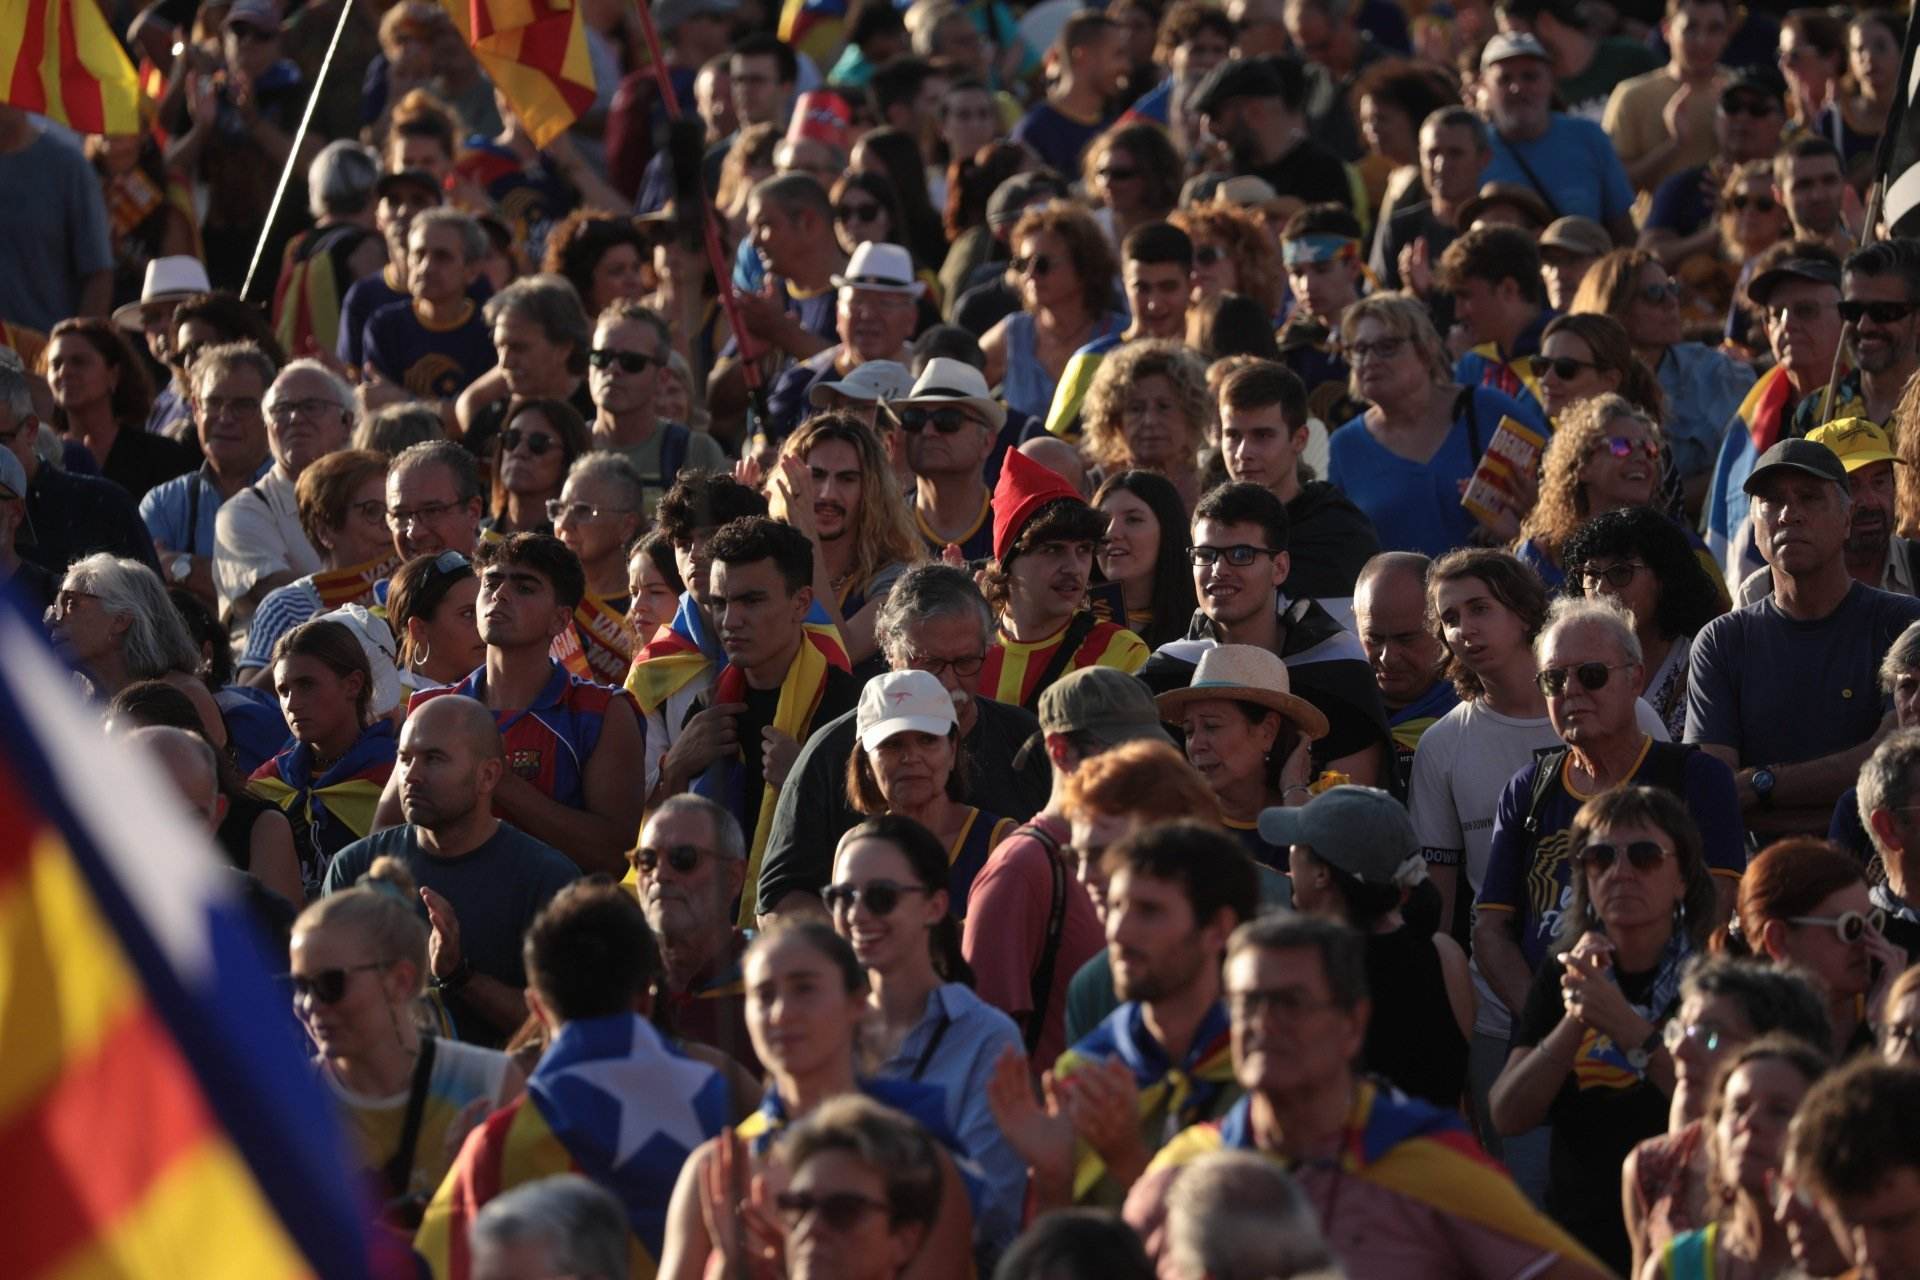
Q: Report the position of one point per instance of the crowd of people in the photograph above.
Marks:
(1174, 638)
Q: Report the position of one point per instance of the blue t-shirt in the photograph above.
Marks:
(1680, 203)
(1056, 138)
(53, 231)
(180, 512)
(1778, 690)
(364, 297)
(433, 364)
(1575, 164)
(1415, 506)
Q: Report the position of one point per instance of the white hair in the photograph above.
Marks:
(1590, 611)
(581, 1224)
(340, 180)
(157, 641)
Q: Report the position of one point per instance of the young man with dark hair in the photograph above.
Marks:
(1880, 293)
(1661, 122)
(1811, 180)
(1454, 152)
(1156, 267)
(1263, 431)
(1322, 248)
(1044, 534)
(906, 93)
(1855, 1144)
(1090, 57)
(1493, 273)
(570, 743)
(1240, 556)
(1195, 36)
(1175, 893)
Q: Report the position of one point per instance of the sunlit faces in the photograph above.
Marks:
(518, 608)
(847, 1231)
(449, 643)
(1044, 270)
(1756, 1107)
(437, 267)
(1627, 581)
(1387, 366)
(1871, 527)
(912, 768)
(362, 535)
(1092, 833)
(833, 467)
(1803, 327)
(533, 459)
(1626, 896)
(1565, 353)
(1258, 445)
(1653, 309)
(363, 1014)
(686, 904)
(532, 363)
(1477, 628)
(321, 706)
(617, 276)
(78, 374)
(1048, 582)
(758, 617)
(618, 391)
(1154, 945)
(1228, 741)
(1158, 293)
(1133, 537)
(593, 522)
(1815, 191)
(1882, 1226)
(651, 599)
(229, 417)
(1328, 288)
(1873, 58)
(1801, 520)
(1623, 470)
(1155, 425)
(439, 771)
(1844, 968)
(885, 942)
(1452, 158)
(426, 514)
(1700, 32)
(1233, 594)
(1521, 96)
(305, 418)
(1582, 716)
(1880, 344)
(875, 322)
(1708, 1030)
(800, 1015)
(1390, 615)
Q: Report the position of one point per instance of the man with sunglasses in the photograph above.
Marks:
(483, 880)
(950, 421)
(1783, 690)
(875, 315)
(1590, 674)
(624, 366)
(1747, 123)
(1879, 298)
(688, 870)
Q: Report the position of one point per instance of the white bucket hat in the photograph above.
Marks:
(883, 268)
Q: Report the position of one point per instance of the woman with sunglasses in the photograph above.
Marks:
(867, 208)
(1233, 252)
(1589, 1055)
(432, 605)
(806, 1004)
(1752, 220)
(359, 977)
(889, 899)
(1703, 387)
(1726, 1003)
(1805, 903)
(539, 439)
(1144, 553)
(1652, 568)
(653, 585)
(894, 154)
(1133, 173)
(1753, 1100)
(908, 762)
(1064, 269)
(1148, 408)
(1605, 456)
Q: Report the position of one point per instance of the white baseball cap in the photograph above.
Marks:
(874, 380)
(376, 638)
(904, 702)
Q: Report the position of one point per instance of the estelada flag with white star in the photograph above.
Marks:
(609, 1100)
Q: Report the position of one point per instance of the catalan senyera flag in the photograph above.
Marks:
(536, 52)
(156, 1109)
(60, 58)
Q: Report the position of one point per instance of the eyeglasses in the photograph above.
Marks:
(1598, 859)
(1616, 576)
(1036, 266)
(221, 406)
(1704, 1034)
(881, 896)
(1208, 254)
(1288, 1003)
(629, 361)
(285, 411)
(839, 1210)
(1806, 311)
(537, 442)
(1239, 555)
(373, 509)
(1655, 294)
(427, 514)
(1565, 368)
(1758, 108)
(580, 512)
(1593, 677)
(328, 985)
(1112, 174)
(1759, 204)
(1878, 312)
(1627, 446)
(683, 858)
(64, 601)
(861, 213)
(1378, 349)
(945, 421)
(966, 668)
(1849, 926)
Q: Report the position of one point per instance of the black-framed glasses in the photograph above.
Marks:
(1616, 576)
(1759, 204)
(1593, 677)
(1038, 265)
(537, 442)
(1849, 926)
(880, 896)
(966, 668)
(1600, 858)
(1565, 368)
(1655, 294)
(1854, 312)
(857, 214)
(629, 361)
(839, 1210)
(683, 858)
(946, 421)
(1239, 555)
(1378, 349)
(327, 986)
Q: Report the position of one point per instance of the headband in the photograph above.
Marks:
(1319, 247)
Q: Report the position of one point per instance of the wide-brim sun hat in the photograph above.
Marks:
(1245, 673)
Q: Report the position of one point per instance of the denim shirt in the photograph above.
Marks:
(1704, 389)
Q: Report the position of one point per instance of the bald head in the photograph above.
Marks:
(449, 762)
(1059, 457)
(191, 764)
(453, 719)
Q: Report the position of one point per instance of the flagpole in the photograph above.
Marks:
(1847, 330)
(293, 152)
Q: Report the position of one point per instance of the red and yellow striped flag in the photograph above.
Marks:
(536, 52)
(60, 58)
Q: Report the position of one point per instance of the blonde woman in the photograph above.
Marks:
(1148, 410)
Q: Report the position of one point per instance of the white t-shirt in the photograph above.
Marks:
(1460, 768)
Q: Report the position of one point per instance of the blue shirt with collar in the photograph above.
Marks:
(180, 512)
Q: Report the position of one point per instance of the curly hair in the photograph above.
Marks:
(1153, 155)
(132, 391)
(882, 532)
(1509, 580)
(582, 238)
(1119, 373)
(1256, 259)
(1906, 493)
(1087, 246)
(1688, 596)
(1563, 496)
(1612, 352)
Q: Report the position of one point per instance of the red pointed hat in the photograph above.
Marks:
(1024, 487)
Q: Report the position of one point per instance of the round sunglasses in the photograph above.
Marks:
(880, 896)
(1849, 926)
(537, 442)
(1593, 677)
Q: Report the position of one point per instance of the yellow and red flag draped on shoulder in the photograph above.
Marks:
(60, 58)
(536, 52)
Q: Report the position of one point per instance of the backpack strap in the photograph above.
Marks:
(1042, 989)
(398, 1170)
(1077, 632)
(1547, 765)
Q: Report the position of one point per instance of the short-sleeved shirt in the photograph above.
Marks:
(433, 364)
(1616, 60)
(367, 295)
(1056, 138)
(703, 454)
(1636, 121)
(257, 534)
(1830, 701)
(183, 513)
(1574, 162)
(53, 231)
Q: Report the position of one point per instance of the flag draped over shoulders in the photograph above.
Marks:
(675, 658)
(535, 51)
(155, 1106)
(60, 58)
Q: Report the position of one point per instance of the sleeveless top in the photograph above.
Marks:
(1690, 1256)
(1026, 385)
(549, 742)
(969, 853)
(1412, 1038)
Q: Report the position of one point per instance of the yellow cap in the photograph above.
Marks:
(1858, 441)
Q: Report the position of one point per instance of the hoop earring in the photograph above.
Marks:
(425, 656)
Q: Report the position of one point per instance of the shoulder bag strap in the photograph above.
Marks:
(1533, 179)
(1042, 989)
(399, 1168)
(1077, 632)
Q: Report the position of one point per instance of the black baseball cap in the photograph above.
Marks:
(1814, 269)
(418, 178)
(1809, 457)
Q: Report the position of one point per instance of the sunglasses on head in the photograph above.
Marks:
(1848, 926)
(1645, 855)
(1878, 312)
(945, 421)
(537, 442)
(1655, 294)
(880, 896)
(629, 361)
(1627, 446)
(681, 857)
(839, 1210)
(1759, 204)
(326, 986)
(1565, 368)
(1240, 555)
(1038, 265)
(1593, 677)
(862, 213)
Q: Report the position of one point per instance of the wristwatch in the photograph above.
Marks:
(455, 980)
(1639, 1058)
(179, 567)
(1762, 782)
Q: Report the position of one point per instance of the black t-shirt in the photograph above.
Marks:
(841, 694)
(1310, 171)
(1329, 540)
(1412, 1037)
(1604, 1108)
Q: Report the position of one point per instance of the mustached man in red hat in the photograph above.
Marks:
(1044, 535)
